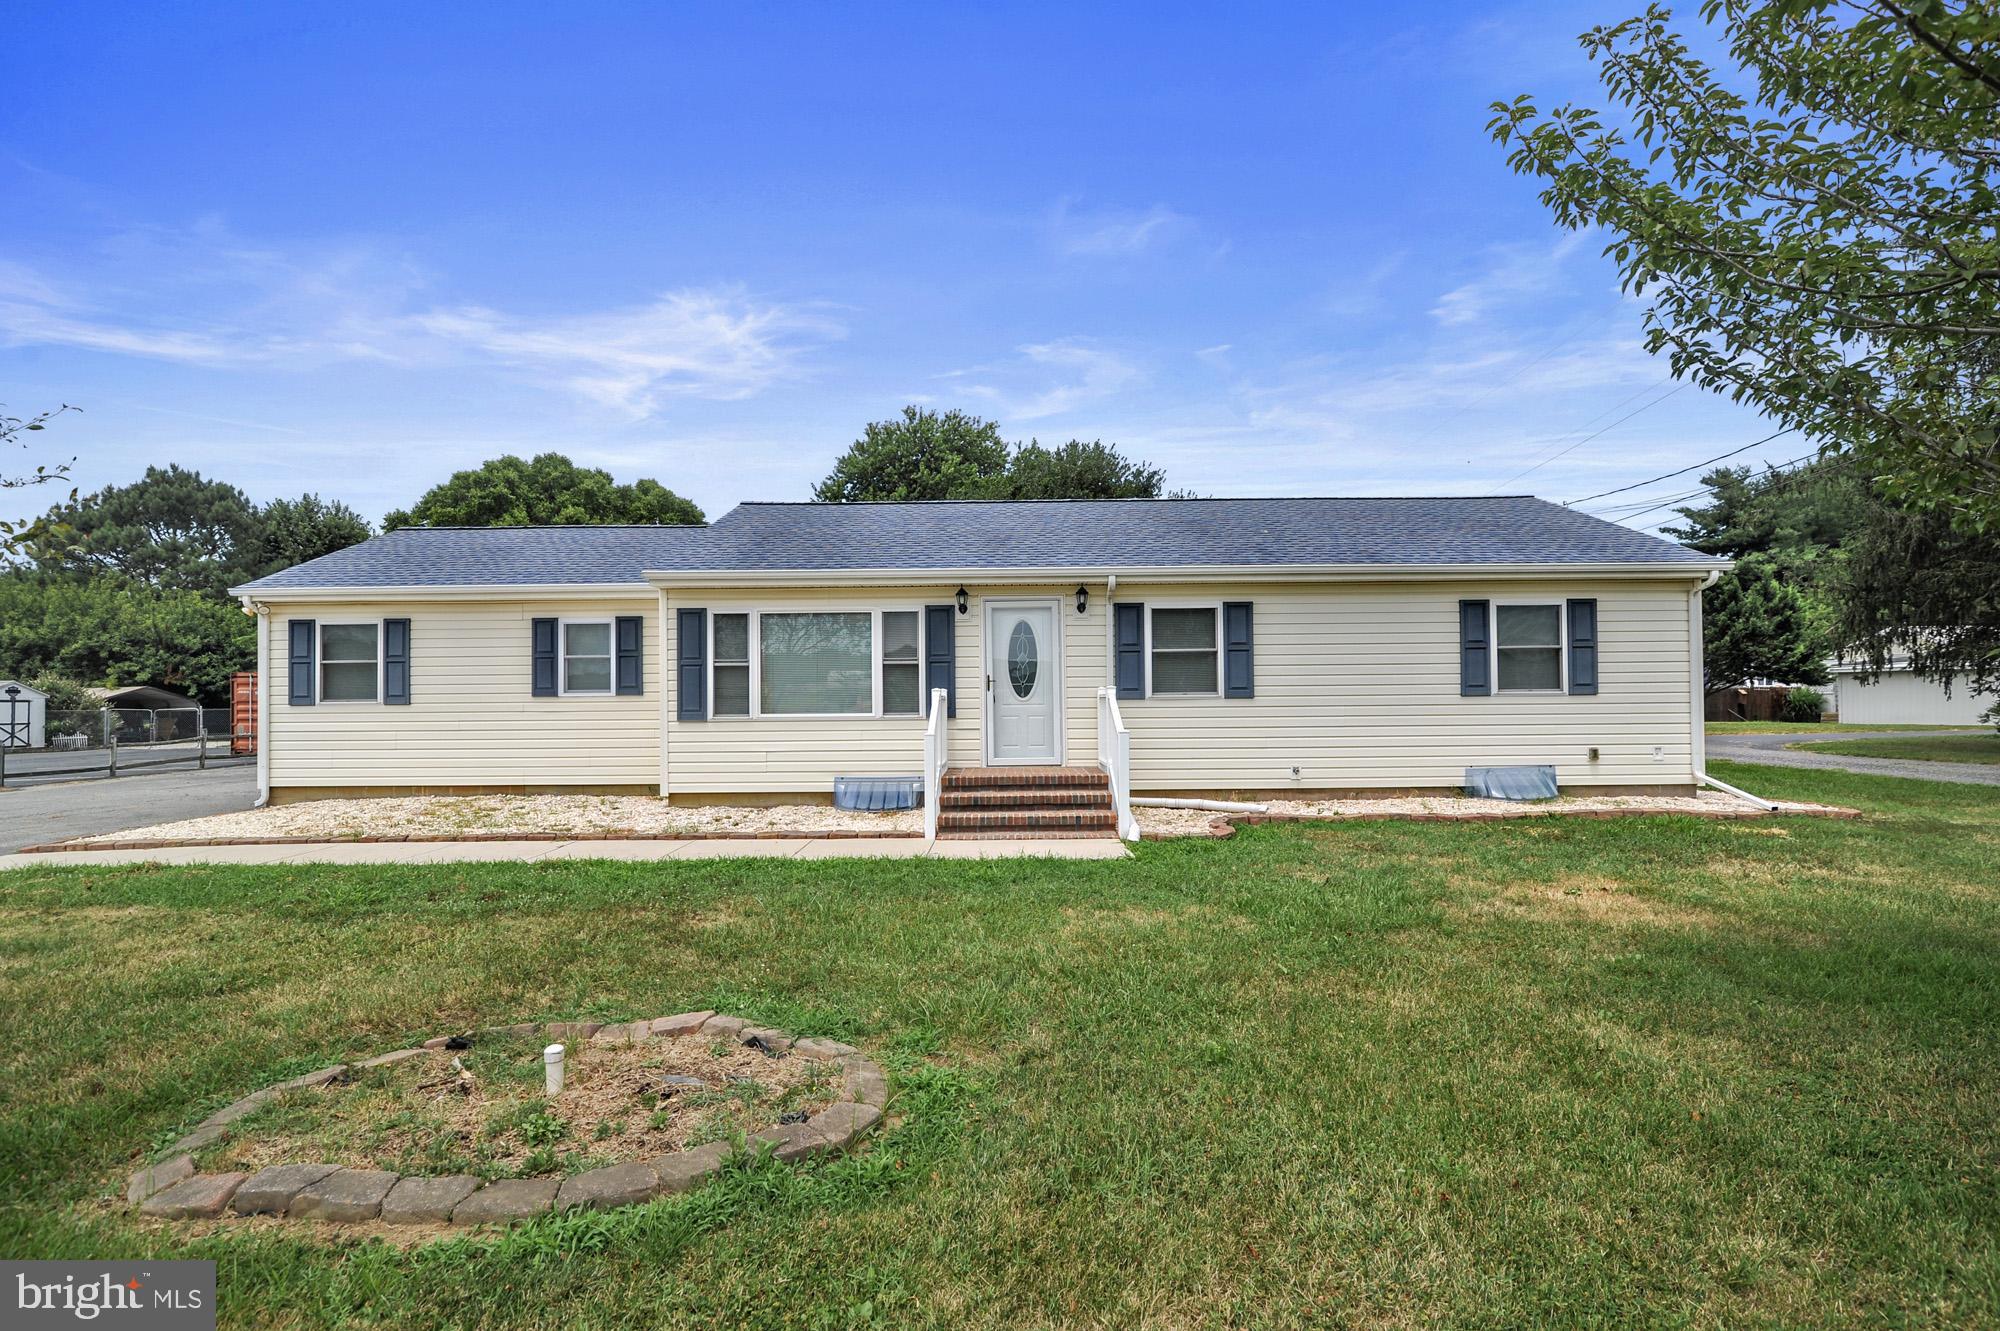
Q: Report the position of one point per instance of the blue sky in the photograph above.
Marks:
(350, 249)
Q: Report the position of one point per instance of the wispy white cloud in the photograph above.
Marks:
(1113, 233)
(1510, 273)
(263, 307)
(714, 343)
(1049, 378)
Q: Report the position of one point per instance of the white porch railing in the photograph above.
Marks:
(934, 760)
(1114, 755)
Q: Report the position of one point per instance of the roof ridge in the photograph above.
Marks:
(1130, 499)
(558, 526)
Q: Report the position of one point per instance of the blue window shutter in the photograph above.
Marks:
(396, 662)
(631, 662)
(543, 640)
(941, 655)
(691, 664)
(1129, 648)
(1475, 663)
(1583, 646)
(302, 637)
(1239, 675)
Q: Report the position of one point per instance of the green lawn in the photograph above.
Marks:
(1803, 728)
(1568, 1072)
(1930, 748)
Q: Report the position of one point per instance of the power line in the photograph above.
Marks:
(1803, 457)
(1620, 404)
(1438, 428)
(1587, 438)
(1683, 471)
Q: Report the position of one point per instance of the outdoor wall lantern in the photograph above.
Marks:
(1082, 598)
(963, 605)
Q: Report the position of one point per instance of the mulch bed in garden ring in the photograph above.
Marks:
(459, 1130)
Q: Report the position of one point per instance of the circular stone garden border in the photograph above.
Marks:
(172, 1189)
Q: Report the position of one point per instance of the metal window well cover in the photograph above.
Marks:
(1511, 783)
(877, 794)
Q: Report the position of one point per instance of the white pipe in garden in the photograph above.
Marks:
(552, 1068)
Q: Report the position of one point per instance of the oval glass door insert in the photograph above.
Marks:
(1023, 660)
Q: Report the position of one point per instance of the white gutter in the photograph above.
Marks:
(656, 579)
(904, 577)
(1698, 727)
(563, 591)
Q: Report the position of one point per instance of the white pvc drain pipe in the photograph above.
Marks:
(552, 1068)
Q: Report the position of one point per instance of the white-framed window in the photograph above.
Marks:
(350, 662)
(820, 662)
(586, 650)
(1529, 642)
(902, 662)
(729, 650)
(1184, 650)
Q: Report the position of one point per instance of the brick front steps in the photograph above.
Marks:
(171, 1190)
(1025, 802)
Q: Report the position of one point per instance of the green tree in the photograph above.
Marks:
(1818, 240)
(291, 531)
(1756, 625)
(549, 491)
(953, 455)
(173, 529)
(1914, 584)
(924, 455)
(1077, 470)
(111, 631)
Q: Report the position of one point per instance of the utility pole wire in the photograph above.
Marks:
(1682, 472)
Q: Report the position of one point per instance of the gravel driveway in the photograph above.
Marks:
(33, 814)
(1773, 751)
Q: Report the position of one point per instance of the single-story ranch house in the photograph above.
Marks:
(1082, 652)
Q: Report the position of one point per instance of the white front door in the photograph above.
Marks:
(1023, 682)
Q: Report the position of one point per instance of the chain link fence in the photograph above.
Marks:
(118, 741)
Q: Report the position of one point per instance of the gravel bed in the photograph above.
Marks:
(1197, 822)
(449, 815)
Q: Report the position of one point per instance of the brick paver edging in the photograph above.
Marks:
(1223, 825)
(172, 1189)
(173, 843)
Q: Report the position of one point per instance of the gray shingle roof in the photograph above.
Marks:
(1080, 534)
(1144, 533)
(491, 556)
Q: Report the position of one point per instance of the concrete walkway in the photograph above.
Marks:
(1776, 751)
(521, 852)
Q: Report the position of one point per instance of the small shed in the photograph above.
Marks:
(24, 715)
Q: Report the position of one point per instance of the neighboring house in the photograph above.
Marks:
(1255, 646)
(1901, 697)
(23, 715)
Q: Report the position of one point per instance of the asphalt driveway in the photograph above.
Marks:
(1775, 751)
(31, 815)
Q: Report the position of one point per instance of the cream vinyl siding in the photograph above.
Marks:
(1357, 686)
(470, 720)
(779, 754)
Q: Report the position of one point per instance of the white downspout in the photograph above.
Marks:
(263, 614)
(668, 671)
(1110, 631)
(1698, 726)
